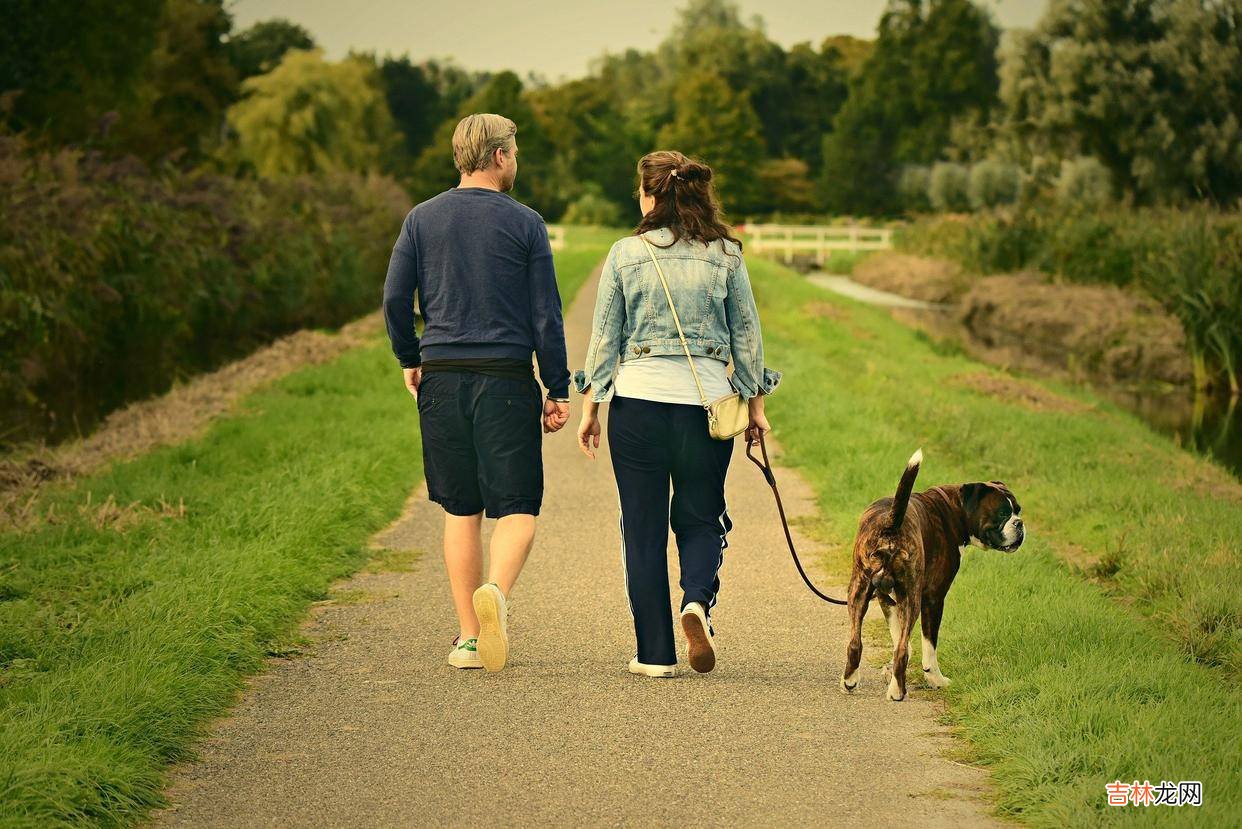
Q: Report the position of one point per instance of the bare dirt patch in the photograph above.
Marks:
(914, 277)
(171, 418)
(1095, 332)
(1020, 393)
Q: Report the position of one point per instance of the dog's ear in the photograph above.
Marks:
(971, 495)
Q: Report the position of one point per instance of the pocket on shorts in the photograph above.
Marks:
(515, 392)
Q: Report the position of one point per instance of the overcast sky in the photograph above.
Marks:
(555, 38)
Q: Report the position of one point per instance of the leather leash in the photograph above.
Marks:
(765, 467)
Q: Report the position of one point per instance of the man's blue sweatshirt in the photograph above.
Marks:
(481, 266)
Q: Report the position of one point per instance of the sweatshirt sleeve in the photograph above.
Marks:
(546, 321)
(399, 288)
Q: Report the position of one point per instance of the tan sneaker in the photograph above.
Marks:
(660, 671)
(702, 650)
(493, 612)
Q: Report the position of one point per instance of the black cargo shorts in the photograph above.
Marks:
(482, 443)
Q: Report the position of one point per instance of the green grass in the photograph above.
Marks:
(127, 624)
(1062, 682)
(585, 248)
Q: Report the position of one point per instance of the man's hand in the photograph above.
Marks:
(588, 434)
(555, 416)
(413, 376)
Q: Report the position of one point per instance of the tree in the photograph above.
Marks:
(591, 137)
(819, 84)
(719, 125)
(422, 96)
(1150, 88)
(260, 48)
(710, 38)
(308, 115)
(786, 184)
(434, 171)
(188, 82)
(930, 66)
(73, 61)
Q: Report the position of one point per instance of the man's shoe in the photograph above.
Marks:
(465, 654)
(702, 656)
(643, 669)
(493, 644)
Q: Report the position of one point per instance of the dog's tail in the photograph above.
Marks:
(902, 499)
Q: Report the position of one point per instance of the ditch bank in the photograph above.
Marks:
(1121, 342)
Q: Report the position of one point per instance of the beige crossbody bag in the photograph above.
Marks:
(727, 417)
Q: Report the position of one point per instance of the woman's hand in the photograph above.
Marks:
(759, 425)
(588, 434)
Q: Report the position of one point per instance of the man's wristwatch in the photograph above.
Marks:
(558, 399)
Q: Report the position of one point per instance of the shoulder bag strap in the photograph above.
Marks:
(676, 320)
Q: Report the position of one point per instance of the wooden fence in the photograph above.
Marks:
(556, 236)
(818, 240)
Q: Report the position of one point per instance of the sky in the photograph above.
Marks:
(556, 39)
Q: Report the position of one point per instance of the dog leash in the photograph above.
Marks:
(765, 466)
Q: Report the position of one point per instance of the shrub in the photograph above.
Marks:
(993, 183)
(116, 279)
(593, 208)
(947, 187)
(1084, 182)
(912, 187)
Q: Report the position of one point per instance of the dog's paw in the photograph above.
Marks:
(936, 680)
(894, 691)
(848, 686)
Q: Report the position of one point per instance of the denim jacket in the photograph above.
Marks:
(711, 289)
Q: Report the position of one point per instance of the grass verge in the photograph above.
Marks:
(1058, 689)
(133, 611)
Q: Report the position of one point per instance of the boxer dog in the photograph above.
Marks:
(906, 554)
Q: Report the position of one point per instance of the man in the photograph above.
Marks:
(481, 266)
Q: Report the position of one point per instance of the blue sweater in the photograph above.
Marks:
(482, 268)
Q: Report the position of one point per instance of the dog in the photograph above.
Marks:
(906, 554)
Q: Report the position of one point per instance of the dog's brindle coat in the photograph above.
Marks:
(907, 552)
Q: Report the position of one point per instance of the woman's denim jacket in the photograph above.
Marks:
(711, 289)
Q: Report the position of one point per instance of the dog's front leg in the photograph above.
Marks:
(859, 597)
(906, 611)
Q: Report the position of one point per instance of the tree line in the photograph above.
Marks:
(1139, 98)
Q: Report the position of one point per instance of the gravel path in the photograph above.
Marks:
(375, 729)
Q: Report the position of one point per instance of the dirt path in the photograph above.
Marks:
(376, 730)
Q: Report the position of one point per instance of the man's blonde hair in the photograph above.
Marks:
(478, 137)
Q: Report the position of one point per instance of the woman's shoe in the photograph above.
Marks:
(465, 654)
(702, 656)
(659, 671)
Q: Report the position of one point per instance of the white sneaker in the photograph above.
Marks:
(643, 669)
(465, 654)
(493, 644)
(702, 650)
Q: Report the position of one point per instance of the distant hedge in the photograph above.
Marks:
(116, 279)
(1189, 260)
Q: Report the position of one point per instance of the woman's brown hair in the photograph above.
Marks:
(685, 200)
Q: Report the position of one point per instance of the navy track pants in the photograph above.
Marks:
(653, 445)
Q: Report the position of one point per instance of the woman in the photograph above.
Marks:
(657, 426)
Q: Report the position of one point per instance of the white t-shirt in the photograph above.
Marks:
(667, 379)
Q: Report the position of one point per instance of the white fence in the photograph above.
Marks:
(819, 240)
(556, 236)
